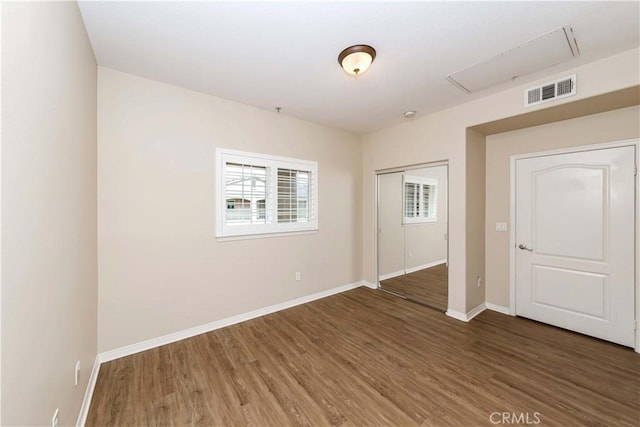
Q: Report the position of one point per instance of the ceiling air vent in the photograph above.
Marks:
(561, 88)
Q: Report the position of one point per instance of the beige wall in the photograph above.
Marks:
(161, 270)
(475, 217)
(49, 261)
(598, 128)
(443, 135)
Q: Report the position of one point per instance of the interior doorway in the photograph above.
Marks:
(412, 212)
(574, 248)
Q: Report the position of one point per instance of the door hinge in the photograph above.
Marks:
(635, 170)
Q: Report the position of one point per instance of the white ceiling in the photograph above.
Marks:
(269, 54)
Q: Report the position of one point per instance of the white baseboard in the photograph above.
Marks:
(499, 308)
(465, 317)
(458, 315)
(88, 393)
(208, 327)
(427, 265)
(391, 275)
(369, 284)
(475, 311)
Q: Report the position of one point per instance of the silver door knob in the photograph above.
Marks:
(524, 248)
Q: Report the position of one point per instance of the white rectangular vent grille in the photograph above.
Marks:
(549, 91)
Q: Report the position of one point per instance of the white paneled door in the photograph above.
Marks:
(575, 241)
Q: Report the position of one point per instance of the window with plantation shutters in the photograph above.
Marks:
(420, 199)
(262, 194)
(293, 196)
(245, 193)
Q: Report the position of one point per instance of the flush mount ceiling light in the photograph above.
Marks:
(356, 59)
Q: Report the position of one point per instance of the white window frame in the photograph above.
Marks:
(232, 232)
(433, 208)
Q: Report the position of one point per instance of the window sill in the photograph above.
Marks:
(427, 221)
(267, 235)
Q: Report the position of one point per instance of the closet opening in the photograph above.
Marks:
(412, 233)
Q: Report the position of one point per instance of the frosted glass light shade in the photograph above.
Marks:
(355, 60)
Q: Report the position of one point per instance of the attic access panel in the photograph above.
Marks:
(550, 49)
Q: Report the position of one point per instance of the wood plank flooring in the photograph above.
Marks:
(427, 286)
(367, 358)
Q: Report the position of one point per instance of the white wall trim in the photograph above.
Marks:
(637, 348)
(427, 265)
(465, 317)
(498, 308)
(0, 221)
(475, 311)
(266, 235)
(88, 394)
(512, 236)
(457, 315)
(391, 275)
(369, 284)
(512, 232)
(208, 327)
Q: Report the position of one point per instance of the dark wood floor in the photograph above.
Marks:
(367, 358)
(427, 286)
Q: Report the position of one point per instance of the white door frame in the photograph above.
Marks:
(512, 233)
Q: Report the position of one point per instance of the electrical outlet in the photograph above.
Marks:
(54, 420)
(479, 281)
(297, 276)
(77, 373)
(410, 253)
(501, 226)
